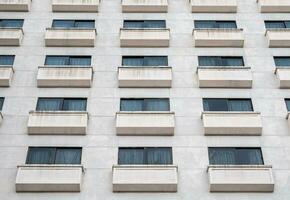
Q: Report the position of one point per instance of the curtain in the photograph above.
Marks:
(240, 105)
(215, 105)
(131, 156)
(68, 156)
(6, 60)
(84, 24)
(63, 23)
(221, 156)
(49, 104)
(40, 155)
(156, 105)
(11, 23)
(133, 24)
(74, 104)
(155, 61)
(80, 61)
(232, 61)
(204, 24)
(133, 61)
(207, 60)
(249, 156)
(275, 24)
(57, 60)
(159, 156)
(287, 24)
(154, 24)
(226, 24)
(282, 61)
(131, 105)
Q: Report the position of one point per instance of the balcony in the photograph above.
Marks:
(278, 37)
(145, 6)
(70, 37)
(159, 77)
(6, 74)
(57, 122)
(283, 75)
(145, 123)
(216, 6)
(64, 76)
(145, 178)
(274, 6)
(11, 36)
(15, 5)
(218, 37)
(241, 178)
(49, 178)
(75, 5)
(232, 123)
(144, 37)
(224, 77)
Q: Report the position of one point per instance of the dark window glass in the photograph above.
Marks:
(214, 24)
(1, 103)
(235, 156)
(277, 24)
(287, 101)
(144, 61)
(144, 24)
(227, 105)
(6, 60)
(145, 156)
(11, 23)
(73, 24)
(282, 61)
(54, 155)
(220, 61)
(144, 105)
(68, 60)
(65, 104)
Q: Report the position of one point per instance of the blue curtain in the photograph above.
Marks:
(49, 104)
(275, 24)
(84, 24)
(68, 156)
(221, 156)
(11, 23)
(156, 105)
(82, 61)
(131, 156)
(155, 61)
(40, 155)
(6, 60)
(132, 61)
(74, 104)
(159, 156)
(282, 61)
(240, 105)
(131, 105)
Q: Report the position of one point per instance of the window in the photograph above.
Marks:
(144, 24)
(68, 60)
(287, 101)
(235, 156)
(214, 24)
(282, 61)
(11, 23)
(58, 104)
(144, 61)
(1, 103)
(54, 155)
(6, 60)
(277, 24)
(145, 156)
(79, 24)
(227, 105)
(220, 61)
(145, 105)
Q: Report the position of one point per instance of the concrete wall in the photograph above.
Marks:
(101, 143)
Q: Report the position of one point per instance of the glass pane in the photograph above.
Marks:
(131, 104)
(131, 156)
(154, 24)
(57, 60)
(282, 61)
(215, 105)
(75, 104)
(287, 24)
(6, 60)
(80, 61)
(287, 101)
(156, 105)
(11, 23)
(49, 104)
(68, 156)
(226, 24)
(232, 61)
(240, 105)
(133, 61)
(159, 156)
(133, 24)
(221, 156)
(63, 23)
(204, 24)
(249, 156)
(155, 61)
(208, 61)
(1, 103)
(275, 24)
(84, 24)
(40, 155)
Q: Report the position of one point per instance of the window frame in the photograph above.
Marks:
(143, 23)
(143, 60)
(227, 102)
(74, 21)
(62, 102)
(69, 57)
(144, 103)
(20, 20)
(278, 21)
(221, 59)
(215, 23)
(2, 99)
(281, 57)
(11, 56)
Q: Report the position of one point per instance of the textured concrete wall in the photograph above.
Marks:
(101, 143)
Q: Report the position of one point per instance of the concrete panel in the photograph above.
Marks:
(278, 37)
(213, 6)
(15, 5)
(75, 5)
(6, 74)
(283, 75)
(11, 36)
(274, 6)
(145, 6)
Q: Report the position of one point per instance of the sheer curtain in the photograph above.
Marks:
(159, 156)
(233, 61)
(68, 156)
(131, 156)
(207, 61)
(282, 61)
(6, 60)
(226, 24)
(40, 155)
(215, 105)
(57, 60)
(131, 105)
(75, 104)
(80, 61)
(154, 24)
(156, 105)
(275, 24)
(240, 105)
(11, 23)
(155, 61)
(133, 61)
(221, 156)
(133, 24)
(250, 156)
(84, 24)
(49, 104)
(63, 23)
